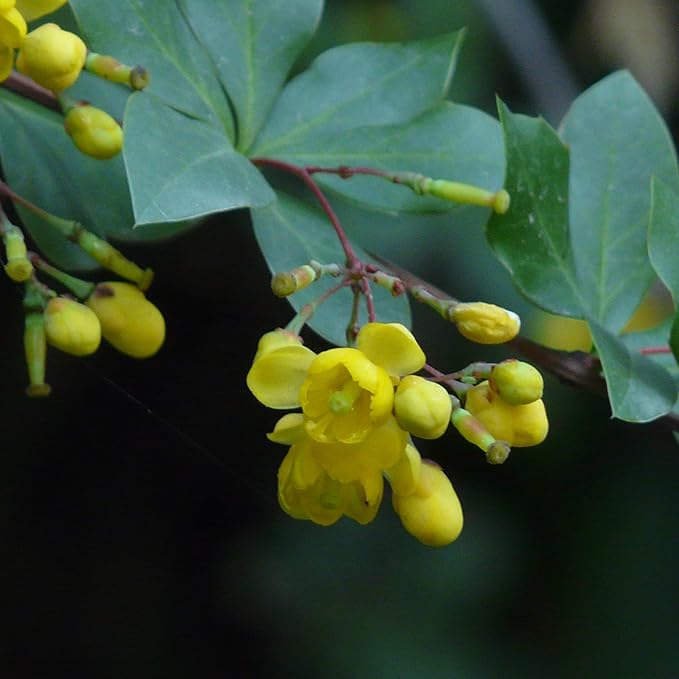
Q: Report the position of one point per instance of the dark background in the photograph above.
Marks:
(140, 531)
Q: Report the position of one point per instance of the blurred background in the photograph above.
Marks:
(140, 532)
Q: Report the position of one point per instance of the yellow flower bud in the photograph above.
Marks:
(486, 323)
(422, 407)
(518, 383)
(12, 27)
(94, 132)
(432, 513)
(34, 9)
(519, 425)
(52, 57)
(128, 320)
(72, 327)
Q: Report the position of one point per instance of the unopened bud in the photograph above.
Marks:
(422, 407)
(72, 327)
(485, 323)
(132, 324)
(432, 513)
(518, 383)
(94, 132)
(52, 57)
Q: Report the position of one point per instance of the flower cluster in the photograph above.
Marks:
(359, 407)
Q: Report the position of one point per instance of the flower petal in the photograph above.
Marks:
(391, 346)
(6, 61)
(288, 430)
(275, 379)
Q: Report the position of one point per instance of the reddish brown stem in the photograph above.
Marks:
(649, 351)
(29, 89)
(353, 262)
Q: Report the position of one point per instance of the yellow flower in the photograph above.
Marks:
(344, 396)
(279, 369)
(519, 425)
(324, 481)
(422, 407)
(432, 512)
(348, 392)
(94, 132)
(34, 9)
(486, 323)
(72, 327)
(52, 57)
(307, 491)
(128, 320)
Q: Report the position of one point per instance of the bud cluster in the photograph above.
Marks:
(75, 321)
(54, 59)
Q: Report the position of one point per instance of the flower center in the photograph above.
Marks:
(342, 402)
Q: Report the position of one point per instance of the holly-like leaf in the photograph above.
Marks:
(253, 44)
(356, 85)
(182, 168)
(155, 34)
(617, 142)
(450, 141)
(639, 389)
(532, 238)
(663, 235)
(290, 233)
(534, 241)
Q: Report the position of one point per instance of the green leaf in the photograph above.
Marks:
(663, 235)
(534, 242)
(155, 34)
(639, 389)
(617, 141)
(290, 233)
(253, 44)
(182, 168)
(532, 238)
(356, 85)
(450, 141)
(41, 164)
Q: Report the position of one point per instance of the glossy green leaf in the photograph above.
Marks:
(290, 234)
(639, 389)
(356, 85)
(155, 34)
(450, 141)
(663, 235)
(532, 238)
(182, 168)
(617, 141)
(253, 44)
